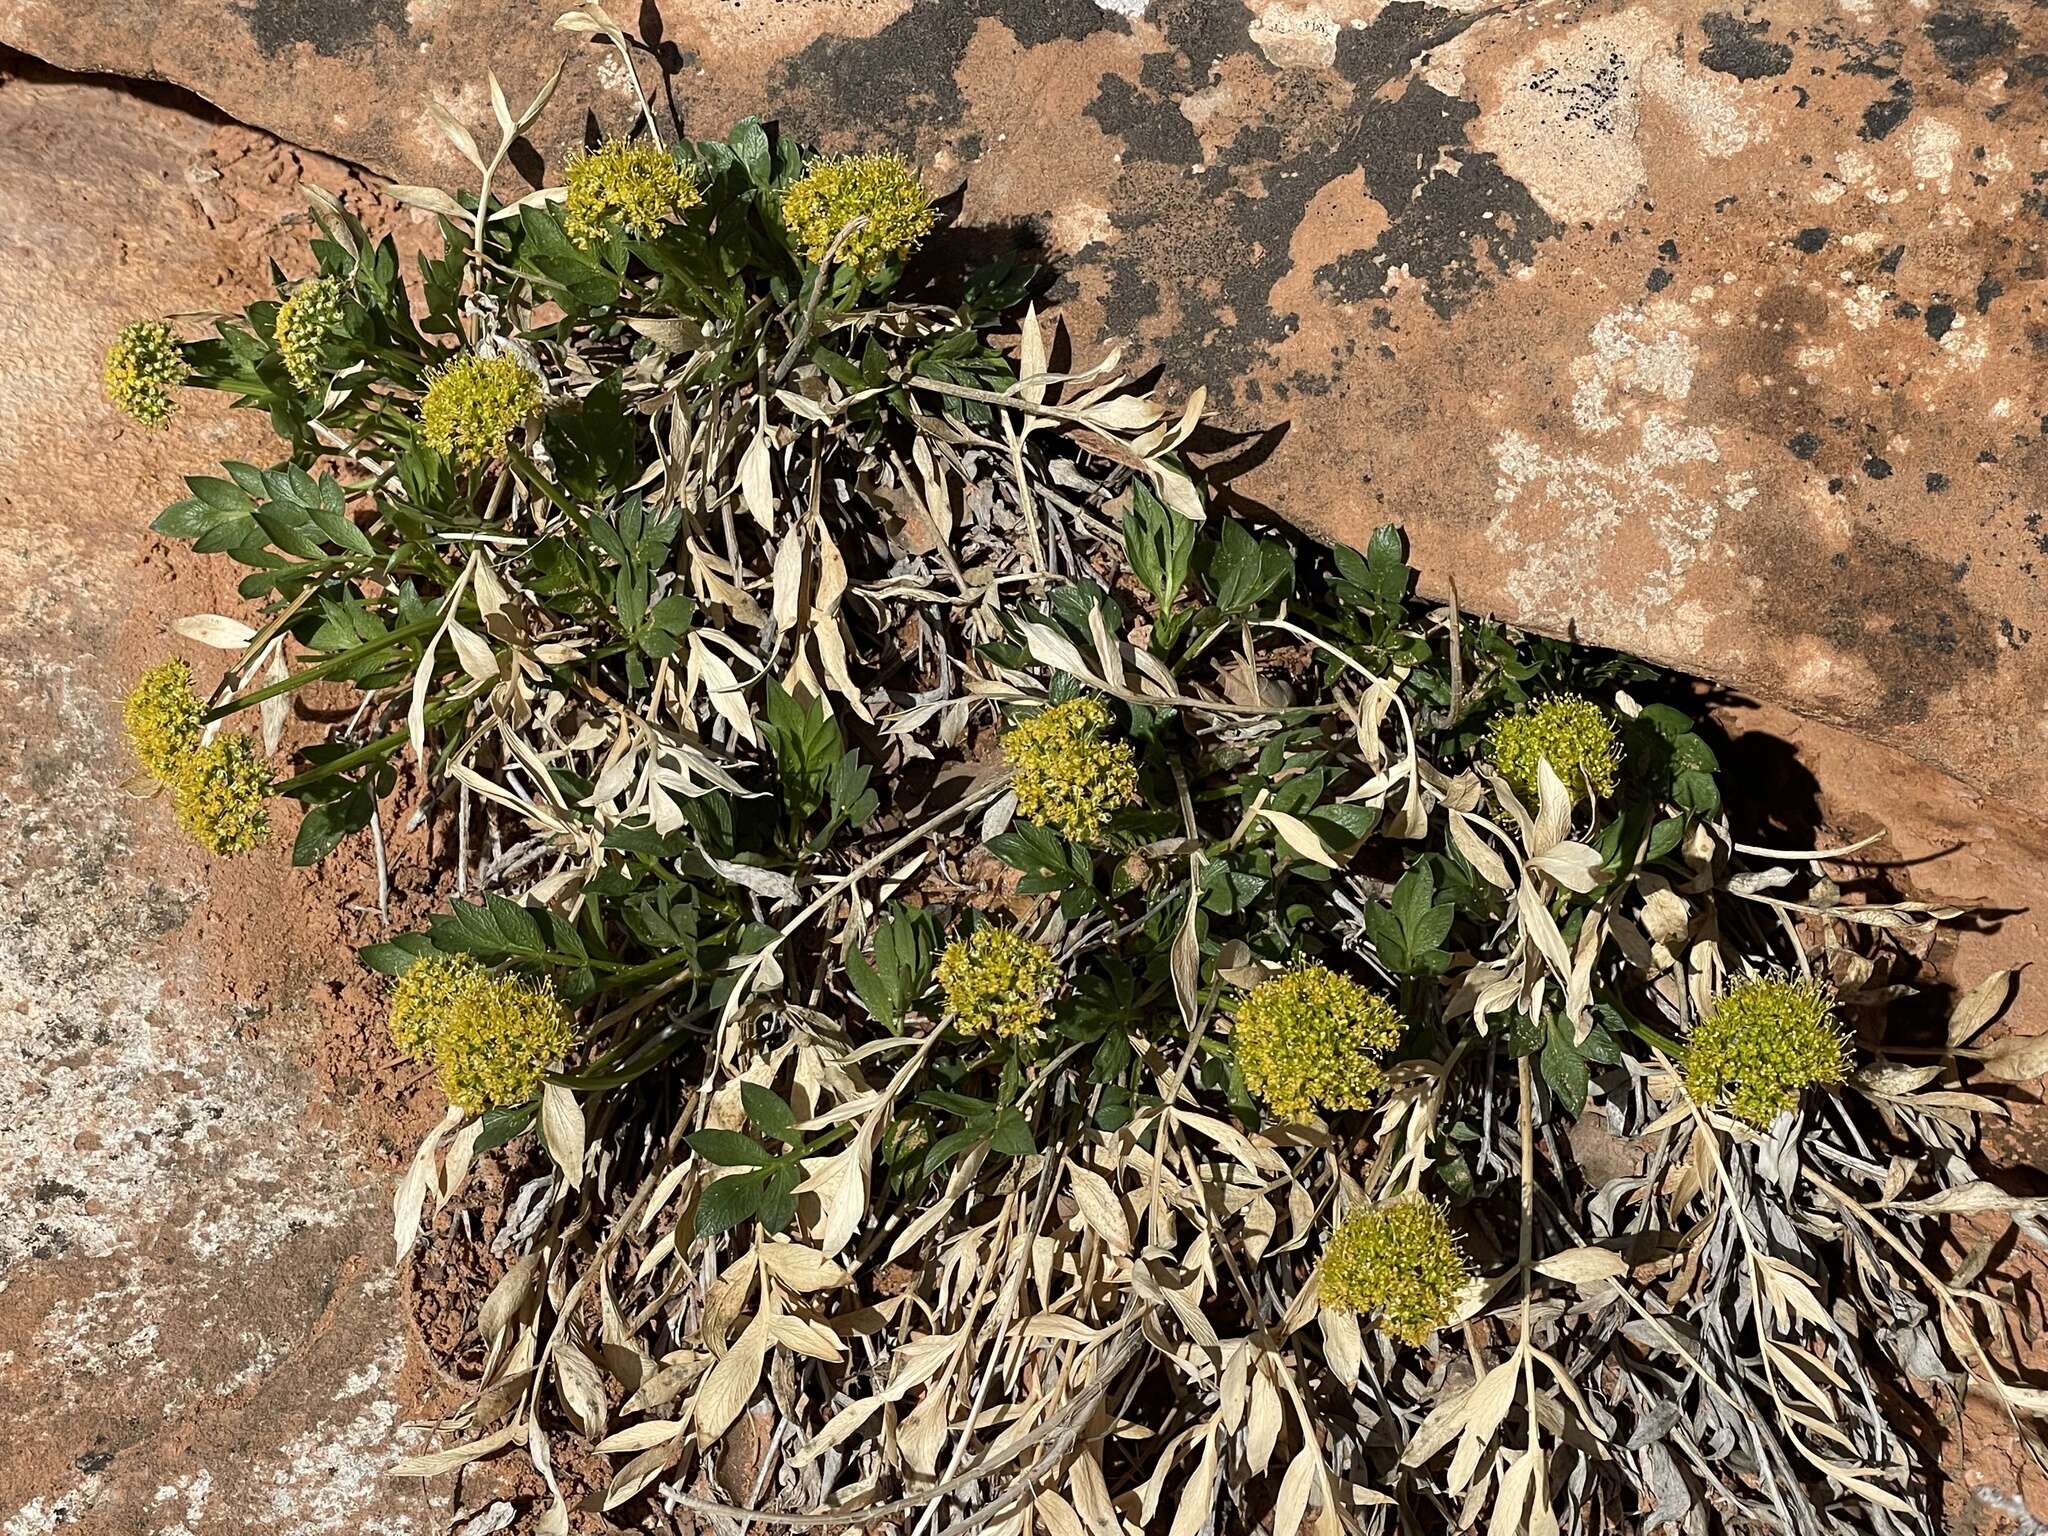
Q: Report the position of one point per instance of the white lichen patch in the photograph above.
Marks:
(1608, 534)
(325, 1478)
(1567, 118)
(1930, 147)
(1633, 352)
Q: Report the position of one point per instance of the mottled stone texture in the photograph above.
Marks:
(198, 1334)
(1709, 332)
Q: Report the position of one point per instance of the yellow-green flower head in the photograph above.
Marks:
(1312, 1039)
(1765, 1041)
(304, 321)
(164, 717)
(881, 189)
(474, 405)
(1573, 733)
(1399, 1263)
(636, 188)
(425, 998)
(142, 367)
(218, 793)
(1067, 777)
(498, 1037)
(996, 982)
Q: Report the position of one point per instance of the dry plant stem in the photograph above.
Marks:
(1937, 1288)
(802, 333)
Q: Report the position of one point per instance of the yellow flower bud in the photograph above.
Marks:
(1573, 734)
(1763, 1043)
(473, 406)
(141, 369)
(164, 718)
(424, 998)
(304, 322)
(502, 1035)
(635, 188)
(218, 793)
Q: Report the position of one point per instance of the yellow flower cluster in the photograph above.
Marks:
(1312, 1039)
(141, 368)
(217, 790)
(1401, 1264)
(218, 795)
(164, 717)
(1572, 733)
(635, 188)
(304, 321)
(473, 406)
(490, 1038)
(996, 982)
(1765, 1041)
(880, 189)
(1067, 777)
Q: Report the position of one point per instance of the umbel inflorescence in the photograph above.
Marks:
(1313, 1040)
(490, 1037)
(1764, 1042)
(1400, 1264)
(1066, 775)
(142, 367)
(875, 202)
(1571, 733)
(164, 718)
(996, 982)
(219, 788)
(633, 189)
(305, 320)
(474, 405)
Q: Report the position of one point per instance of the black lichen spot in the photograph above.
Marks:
(1861, 55)
(332, 28)
(1737, 47)
(1658, 280)
(1804, 446)
(1668, 249)
(1811, 240)
(1150, 126)
(1456, 227)
(1965, 40)
(1937, 482)
(1877, 468)
(1890, 260)
(1906, 309)
(1885, 114)
(905, 76)
(1941, 319)
(1988, 288)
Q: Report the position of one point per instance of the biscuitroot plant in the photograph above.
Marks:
(1067, 1010)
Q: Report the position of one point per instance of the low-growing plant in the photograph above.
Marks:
(1096, 1014)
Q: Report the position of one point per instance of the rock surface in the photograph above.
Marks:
(198, 1331)
(1711, 333)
